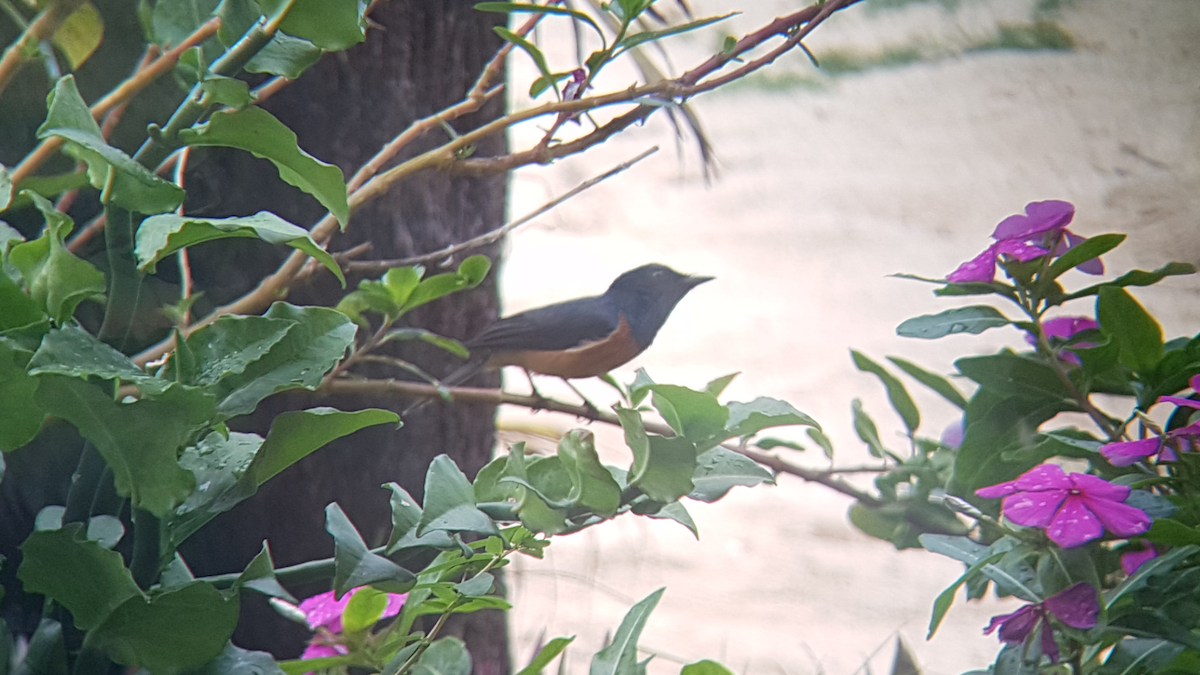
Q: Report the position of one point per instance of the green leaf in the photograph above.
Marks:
(80, 34)
(218, 464)
(139, 441)
(132, 185)
(592, 486)
(227, 91)
(225, 347)
(1090, 249)
(6, 195)
(356, 566)
(996, 424)
(46, 653)
(20, 417)
(160, 236)
(897, 394)
(237, 661)
(405, 517)
(974, 319)
(505, 7)
(74, 352)
(286, 56)
(260, 133)
(717, 387)
(57, 280)
(297, 433)
(532, 50)
(720, 469)
(547, 653)
(172, 631)
(470, 273)
(665, 473)
(705, 667)
(1151, 568)
(945, 599)
(406, 334)
(450, 501)
(332, 25)
(636, 39)
(447, 656)
(313, 346)
(934, 381)
(1014, 375)
(865, 429)
(81, 575)
(477, 586)
(620, 657)
(695, 415)
(1172, 533)
(1132, 328)
(1133, 278)
(259, 576)
(677, 512)
(364, 609)
(174, 20)
(822, 440)
(747, 419)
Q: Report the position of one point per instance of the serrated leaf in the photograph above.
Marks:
(57, 280)
(620, 657)
(313, 346)
(261, 134)
(901, 402)
(160, 236)
(934, 381)
(139, 441)
(974, 319)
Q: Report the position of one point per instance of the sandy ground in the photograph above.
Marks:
(823, 191)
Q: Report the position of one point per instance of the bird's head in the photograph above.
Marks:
(647, 294)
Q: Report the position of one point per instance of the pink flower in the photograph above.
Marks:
(1063, 329)
(1167, 446)
(1025, 237)
(1072, 509)
(323, 611)
(1076, 607)
(1130, 562)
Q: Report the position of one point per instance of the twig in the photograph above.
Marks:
(122, 93)
(379, 266)
(40, 29)
(476, 395)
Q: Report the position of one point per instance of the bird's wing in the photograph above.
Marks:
(565, 325)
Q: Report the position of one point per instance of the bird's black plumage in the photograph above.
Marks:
(586, 336)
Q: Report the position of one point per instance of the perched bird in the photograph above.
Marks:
(583, 337)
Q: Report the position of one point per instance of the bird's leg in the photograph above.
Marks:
(586, 403)
(539, 400)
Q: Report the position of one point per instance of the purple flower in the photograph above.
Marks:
(1076, 607)
(1025, 237)
(1167, 446)
(1130, 562)
(1062, 329)
(1073, 509)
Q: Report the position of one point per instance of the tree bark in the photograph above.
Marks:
(422, 57)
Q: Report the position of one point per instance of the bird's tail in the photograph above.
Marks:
(458, 376)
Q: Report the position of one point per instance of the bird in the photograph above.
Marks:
(585, 337)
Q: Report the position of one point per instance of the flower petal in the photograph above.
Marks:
(1130, 562)
(1074, 525)
(1020, 250)
(1033, 509)
(1122, 520)
(998, 490)
(1044, 477)
(1065, 327)
(316, 651)
(1179, 400)
(1130, 452)
(1095, 266)
(394, 603)
(1098, 488)
(1049, 644)
(323, 609)
(980, 268)
(1039, 217)
(1076, 606)
(1194, 383)
(1015, 626)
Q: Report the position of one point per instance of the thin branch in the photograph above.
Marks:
(479, 396)
(39, 30)
(379, 266)
(123, 92)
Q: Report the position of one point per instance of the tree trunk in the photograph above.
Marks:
(422, 57)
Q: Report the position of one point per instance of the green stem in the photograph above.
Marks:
(164, 141)
(85, 482)
(305, 572)
(147, 549)
(125, 281)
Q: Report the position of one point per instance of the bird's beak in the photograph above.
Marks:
(695, 280)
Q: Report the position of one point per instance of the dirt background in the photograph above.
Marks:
(903, 162)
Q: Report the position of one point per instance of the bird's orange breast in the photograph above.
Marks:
(587, 360)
